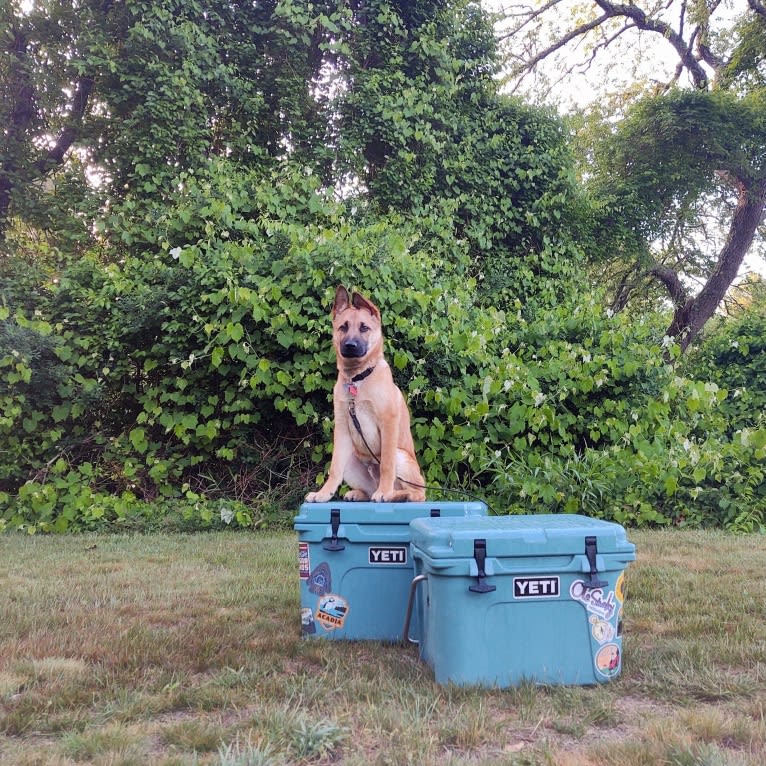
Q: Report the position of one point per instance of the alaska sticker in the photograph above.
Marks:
(332, 611)
(320, 580)
(308, 627)
(304, 562)
(608, 660)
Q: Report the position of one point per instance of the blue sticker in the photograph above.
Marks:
(320, 580)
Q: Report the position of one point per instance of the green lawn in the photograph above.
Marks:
(175, 649)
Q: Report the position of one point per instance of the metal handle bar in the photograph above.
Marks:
(408, 617)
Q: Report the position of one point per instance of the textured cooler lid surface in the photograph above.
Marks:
(545, 534)
(384, 513)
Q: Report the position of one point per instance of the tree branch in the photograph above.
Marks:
(690, 318)
(672, 283)
(68, 135)
(648, 24)
(560, 43)
(529, 17)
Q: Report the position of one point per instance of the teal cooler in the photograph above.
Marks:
(355, 566)
(502, 600)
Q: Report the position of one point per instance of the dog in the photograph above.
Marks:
(373, 451)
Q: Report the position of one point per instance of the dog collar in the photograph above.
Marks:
(351, 387)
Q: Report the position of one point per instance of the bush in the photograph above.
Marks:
(191, 384)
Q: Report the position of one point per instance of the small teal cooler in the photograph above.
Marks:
(501, 600)
(355, 566)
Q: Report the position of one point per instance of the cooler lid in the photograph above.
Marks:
(512, 536)
(385, 513)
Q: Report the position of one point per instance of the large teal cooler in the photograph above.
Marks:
(355, 565)
(502, 600)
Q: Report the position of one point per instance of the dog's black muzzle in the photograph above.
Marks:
(353, 348)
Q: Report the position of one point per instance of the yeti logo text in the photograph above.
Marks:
(535, 587)
(390, 554)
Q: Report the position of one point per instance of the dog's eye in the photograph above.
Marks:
(343, 327)
(363, 328)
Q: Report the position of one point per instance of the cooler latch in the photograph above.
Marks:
(591, 551)
(334, 544)
(436, 513)
(480, 554)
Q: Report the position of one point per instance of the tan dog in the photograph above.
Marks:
(372, 444)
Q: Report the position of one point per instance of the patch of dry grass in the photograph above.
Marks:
(185, 651)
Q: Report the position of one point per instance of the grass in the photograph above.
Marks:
(184, 650)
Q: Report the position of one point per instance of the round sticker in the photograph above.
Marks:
(608, 660)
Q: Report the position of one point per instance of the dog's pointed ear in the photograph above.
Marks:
(360, 302)
(341, 302)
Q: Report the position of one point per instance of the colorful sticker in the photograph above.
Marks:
(608, 660)
(619, 588)
(602, 630)
(593, 599)
(304, 561)
(320, 580)
(308, 627)
(332, 611)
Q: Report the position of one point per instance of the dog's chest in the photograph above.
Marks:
(363, 428)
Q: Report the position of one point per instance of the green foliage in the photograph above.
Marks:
(733, 354)
(426, 131)
(660, 472)
(162, 373)
(170, 362)
(671, 151)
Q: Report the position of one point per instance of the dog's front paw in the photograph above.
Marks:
(378, 497)
(319, 497)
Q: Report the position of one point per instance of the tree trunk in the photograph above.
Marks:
(20, 117)
(690, 317)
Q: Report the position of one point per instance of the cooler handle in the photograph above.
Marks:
(334, 545)
(480, 555)
(591, 552)
(408, 616)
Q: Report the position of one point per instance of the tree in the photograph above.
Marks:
(682, 154)
(138, 91)
(247, 158)
(426, 131)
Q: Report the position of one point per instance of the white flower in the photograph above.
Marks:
(227, 515)
(539, 399)
(176, 252)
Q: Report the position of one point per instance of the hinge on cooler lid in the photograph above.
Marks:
(480, 554)
(591, 551)
(334, 544)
